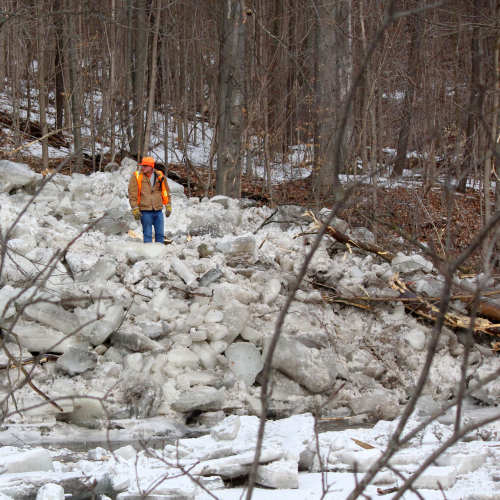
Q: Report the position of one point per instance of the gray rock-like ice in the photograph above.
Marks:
(111, 322)
(75, 361)
(313, 368)
(53, 316)
(184, 272)
(200, 398)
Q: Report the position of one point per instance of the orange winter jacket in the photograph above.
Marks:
(142, 196)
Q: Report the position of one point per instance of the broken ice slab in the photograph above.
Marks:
(104, 269)
(210, 277)
(435, 478)
(114, 221)
(243, 246)
(27, 461)
(80, 262)
(227, 429)
(410, 263)
(465, 462)
(361, 460)
(88, 409)
(235, 319)
(37, 338)
(245, 361)
(53, 316)
(208, 223)
(184, 272)
(112, 320)
(135, 341)
(205, 354)
(200, 398)
(271, 291)
(313, 368)
(17, 174)
(148, 250)
(283, 474)
(50, 491)
(75, 361)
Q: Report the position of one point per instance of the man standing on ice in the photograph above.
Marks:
(147, 194)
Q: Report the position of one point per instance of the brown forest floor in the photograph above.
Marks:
(420, 213)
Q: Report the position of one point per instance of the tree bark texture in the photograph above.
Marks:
(334, 76)
(231, 97)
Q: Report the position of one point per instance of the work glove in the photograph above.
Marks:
(137, 213)
(168, 210)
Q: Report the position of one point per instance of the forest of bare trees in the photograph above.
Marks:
(362, 87)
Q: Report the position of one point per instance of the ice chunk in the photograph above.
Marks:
(88, 409)
(271, 291)
(378, 406)
(243, 246)
(313, 368)
(148, 250)
(134, 362)
(436, 478)
(213, 316)
(361, 460)
(80, 262)
(112, 320)
(208, 223)
(245, 361)
(463, 462)
(112, 354)
(183, 272)
(17, 174)
(182, 357)
(114, 221)
(139, 271)
(205, 354)
(416, 338)
(17, 354)
(88, 320)
(53, 316)
(410, 263)
(75, 361)
(200, 398)
(50, 491)
(104, 270)
(215, 331)
(65, 207)
(37, 338)
(283, 474)
(251, 335)
(143, 392)
(27, 461)
(135, 341)
(235, 319)
(210, 277)
(227, 429)
(191, 378)
(125, 452)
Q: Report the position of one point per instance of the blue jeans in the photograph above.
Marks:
(150, 218)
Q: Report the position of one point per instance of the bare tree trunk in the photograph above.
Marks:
(164, 77)
(2, 59)
(334, 80)
(152, 79)
(415, 28)
(75, 94)
(139, 50)
(112, 83)
(231, 95)
(58, 65)
(41, 60)
(475, 102)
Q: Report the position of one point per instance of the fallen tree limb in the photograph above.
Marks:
(343, 238)
(422, 307)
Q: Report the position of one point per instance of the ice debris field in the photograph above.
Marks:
(140, 346)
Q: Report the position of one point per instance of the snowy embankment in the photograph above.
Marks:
(144, 339)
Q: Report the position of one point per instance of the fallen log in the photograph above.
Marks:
(420, 306)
